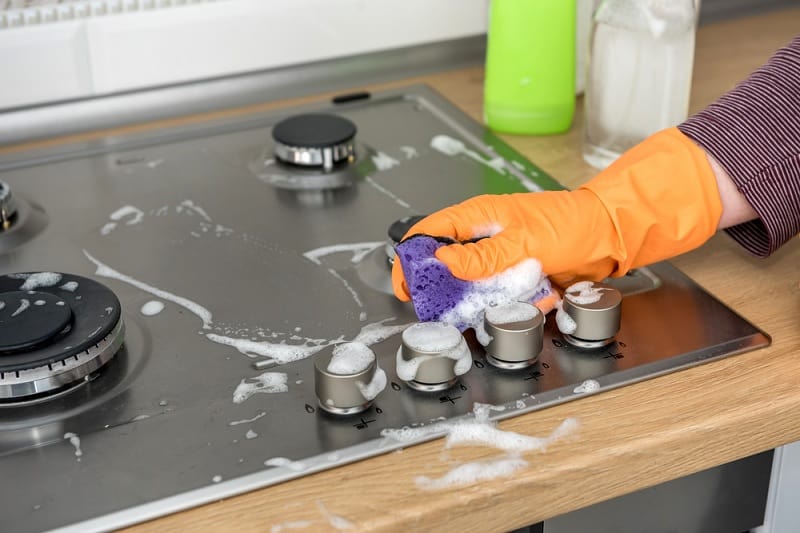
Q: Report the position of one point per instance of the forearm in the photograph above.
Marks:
(752, 134)
(735, 207)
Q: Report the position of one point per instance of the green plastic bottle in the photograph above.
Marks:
(529, 86)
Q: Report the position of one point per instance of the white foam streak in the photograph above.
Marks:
(268, 382)
(566, 324)
(248, 420)
(23, 305)
(376, 332)
(383, 161)
(75, 440)
(350, 358)
(350, 289)
(108, 272)
(383, 190)
(280, 352)
(371, 390)
(136, 215)
(70, 286)
(584, 292)
(284, 462)
(39, 279)
(590, 385)
(358, 249)
(469, 473)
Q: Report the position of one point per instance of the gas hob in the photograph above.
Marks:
(206, 269)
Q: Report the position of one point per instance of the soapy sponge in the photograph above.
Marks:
(437, 295)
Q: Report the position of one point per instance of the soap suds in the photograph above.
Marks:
(70, 286)
(23, 305)
(152, 308)
(247, 420)
(584, 292)
(469, 473)
(566, 324)
(519, 283)
(371, 390)
(268, 382)
(36, 280)
(590, 385)
(284, 462)
(75, 440)
(480, 431)
(511, 312)
(383, 161)
(350, 358)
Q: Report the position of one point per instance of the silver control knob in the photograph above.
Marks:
(589, 316)
(347, 378)
(432, 356)
(517, 331)
(8, 206)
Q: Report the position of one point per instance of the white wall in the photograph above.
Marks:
(94, 47)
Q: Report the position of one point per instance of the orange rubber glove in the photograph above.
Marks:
(658, 200)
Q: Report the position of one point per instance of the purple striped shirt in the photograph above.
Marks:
(754, 132)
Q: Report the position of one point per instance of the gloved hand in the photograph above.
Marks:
(658, 200)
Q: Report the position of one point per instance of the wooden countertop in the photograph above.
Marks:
(630, 438)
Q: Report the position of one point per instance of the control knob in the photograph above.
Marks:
(8, 206)
(347, 378)
(516, 330)
(432, 356)
(589, 315)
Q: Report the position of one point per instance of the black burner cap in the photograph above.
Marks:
(30, 334)
(30, 318)
(314, 130)
(400, 227)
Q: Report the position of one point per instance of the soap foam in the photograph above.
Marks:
(152, 308)
(284, 462)
(432, 337)
(511, 312)
(469, 473)
(36, 280)
(268, 382)
(371, 390)
(70, 286)
(350, 358)
(584, 292)
(566, 324)
(589, 385)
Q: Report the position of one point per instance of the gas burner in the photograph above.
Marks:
(20, 220)
(55, 330)
(8, 206)
(311, 153)
(314, 140)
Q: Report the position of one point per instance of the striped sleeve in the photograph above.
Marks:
(754, 132)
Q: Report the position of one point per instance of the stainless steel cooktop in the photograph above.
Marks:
(234, 271)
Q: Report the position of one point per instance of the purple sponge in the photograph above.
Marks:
(437, 295)
(434, 290)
